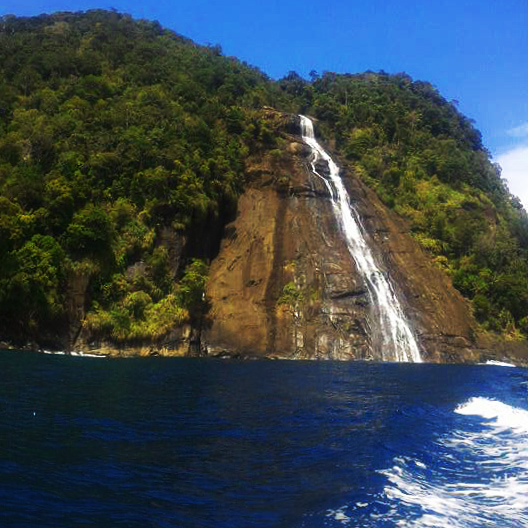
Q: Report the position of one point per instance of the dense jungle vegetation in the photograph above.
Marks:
(113, 131)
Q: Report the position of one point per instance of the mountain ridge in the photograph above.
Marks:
(126, 151)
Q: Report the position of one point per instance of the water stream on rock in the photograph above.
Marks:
(397, 339)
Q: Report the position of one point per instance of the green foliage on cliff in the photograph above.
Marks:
(291, 296)
(120, 140)
(112, 130)
(138, 310)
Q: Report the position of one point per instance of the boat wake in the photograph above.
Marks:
(479, 477)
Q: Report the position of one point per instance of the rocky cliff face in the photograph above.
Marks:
(285, 285)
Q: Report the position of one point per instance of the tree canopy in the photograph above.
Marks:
(112, 130)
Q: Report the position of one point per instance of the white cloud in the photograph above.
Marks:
(514, 165)
(520, 131)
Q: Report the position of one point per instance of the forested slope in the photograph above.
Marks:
(427, 162)
(111, 129)
(117, 135)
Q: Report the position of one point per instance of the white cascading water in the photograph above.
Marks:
(397, 339)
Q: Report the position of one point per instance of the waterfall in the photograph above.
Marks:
(397, 340)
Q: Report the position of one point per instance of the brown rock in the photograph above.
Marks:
(281, 239)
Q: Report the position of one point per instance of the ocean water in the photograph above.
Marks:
(99, 442)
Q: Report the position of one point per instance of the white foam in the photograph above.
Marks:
(73, 353)
(492, 464)
(83, 354)
(339, 515)
(500, 414)
(494, 363)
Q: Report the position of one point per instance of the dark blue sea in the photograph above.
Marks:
(192, 443)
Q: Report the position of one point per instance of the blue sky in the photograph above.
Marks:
(473, 51)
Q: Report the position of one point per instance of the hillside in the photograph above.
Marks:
(124, 150)
(426, 161)
(114, 134)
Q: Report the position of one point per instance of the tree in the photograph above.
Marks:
(192, 288)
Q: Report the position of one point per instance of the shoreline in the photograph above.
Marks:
(482, 357)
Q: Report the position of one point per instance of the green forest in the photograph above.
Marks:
(114, 130)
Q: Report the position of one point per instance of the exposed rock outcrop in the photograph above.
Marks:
(180, 342)
(285, 285)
